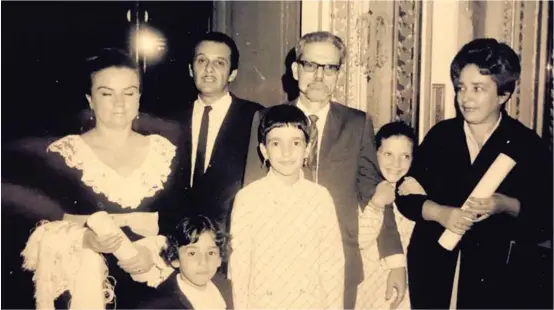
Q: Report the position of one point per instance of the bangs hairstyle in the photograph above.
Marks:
(108, 58)
(317, 37)
(281, 116)
(188, 231)
(493, 58)
(395, 129)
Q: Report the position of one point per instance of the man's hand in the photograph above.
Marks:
(396, 280)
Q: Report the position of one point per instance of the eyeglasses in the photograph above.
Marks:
(328, 69)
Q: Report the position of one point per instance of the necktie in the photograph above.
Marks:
(312, 158)
(201, 149)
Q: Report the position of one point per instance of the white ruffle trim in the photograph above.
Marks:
(127, 191)
(60, 263)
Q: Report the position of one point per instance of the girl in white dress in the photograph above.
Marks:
(395, 143)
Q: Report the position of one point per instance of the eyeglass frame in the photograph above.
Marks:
(334, 68)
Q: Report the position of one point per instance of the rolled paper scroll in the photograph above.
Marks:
(486, 187)
(103, 224)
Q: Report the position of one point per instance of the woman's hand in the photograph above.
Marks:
(140, 263)
(384, 194)
(497, 203)
(455, 219)
(102, 244)
(411, 186)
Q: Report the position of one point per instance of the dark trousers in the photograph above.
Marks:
(350, 294)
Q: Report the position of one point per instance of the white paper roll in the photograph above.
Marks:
(103, 224)
(486, 187)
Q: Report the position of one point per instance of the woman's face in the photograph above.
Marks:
(114, 97)
(395, 157)
(477, 96)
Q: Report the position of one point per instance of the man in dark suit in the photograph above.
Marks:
(344, 157)
(214, 136)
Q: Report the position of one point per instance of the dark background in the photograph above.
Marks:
(44, 45)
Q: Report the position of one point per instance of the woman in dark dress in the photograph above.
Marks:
(109, 168)
(495, 255)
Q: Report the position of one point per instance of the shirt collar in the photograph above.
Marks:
(321, 114)
(221, 104)
(487, 136)
(276, 182)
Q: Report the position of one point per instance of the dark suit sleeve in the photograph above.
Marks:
(254, 169)
(411, 206)
(388, 240)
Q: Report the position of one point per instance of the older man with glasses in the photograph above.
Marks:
(342, 158)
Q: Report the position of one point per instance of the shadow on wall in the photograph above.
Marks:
(290, 85)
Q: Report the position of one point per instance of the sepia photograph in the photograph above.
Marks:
(308, 154)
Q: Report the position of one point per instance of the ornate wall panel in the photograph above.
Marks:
(380, 75)
(522, 25)
(407, 32)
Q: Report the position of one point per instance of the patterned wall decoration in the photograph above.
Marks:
(407, 52)
(522, 25)
(380, 75)
(436, 106)
(343, 21)
(375, 59)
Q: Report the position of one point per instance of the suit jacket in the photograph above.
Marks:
(213, 195)
(498, 261)
(169, 296)
(348, 169)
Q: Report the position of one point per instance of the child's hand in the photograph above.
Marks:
(411, 186)
(102, 244)
(384, 194)
(140, 263)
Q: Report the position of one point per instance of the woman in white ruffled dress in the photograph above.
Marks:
(109, 168)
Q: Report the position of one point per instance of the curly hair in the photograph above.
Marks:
(188, 231)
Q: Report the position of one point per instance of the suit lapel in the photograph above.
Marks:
(186, 142)
(331, 132)
(223, 140)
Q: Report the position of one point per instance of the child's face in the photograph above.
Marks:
(198, 262)
(395, 157)
(285, 149)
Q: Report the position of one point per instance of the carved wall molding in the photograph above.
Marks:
(380, 75)
(408, 15)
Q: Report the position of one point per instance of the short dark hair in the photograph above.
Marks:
(280, 116)
(220, 37)
(493, 58)
(394, 129)
(107, 58)
(188, 231)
